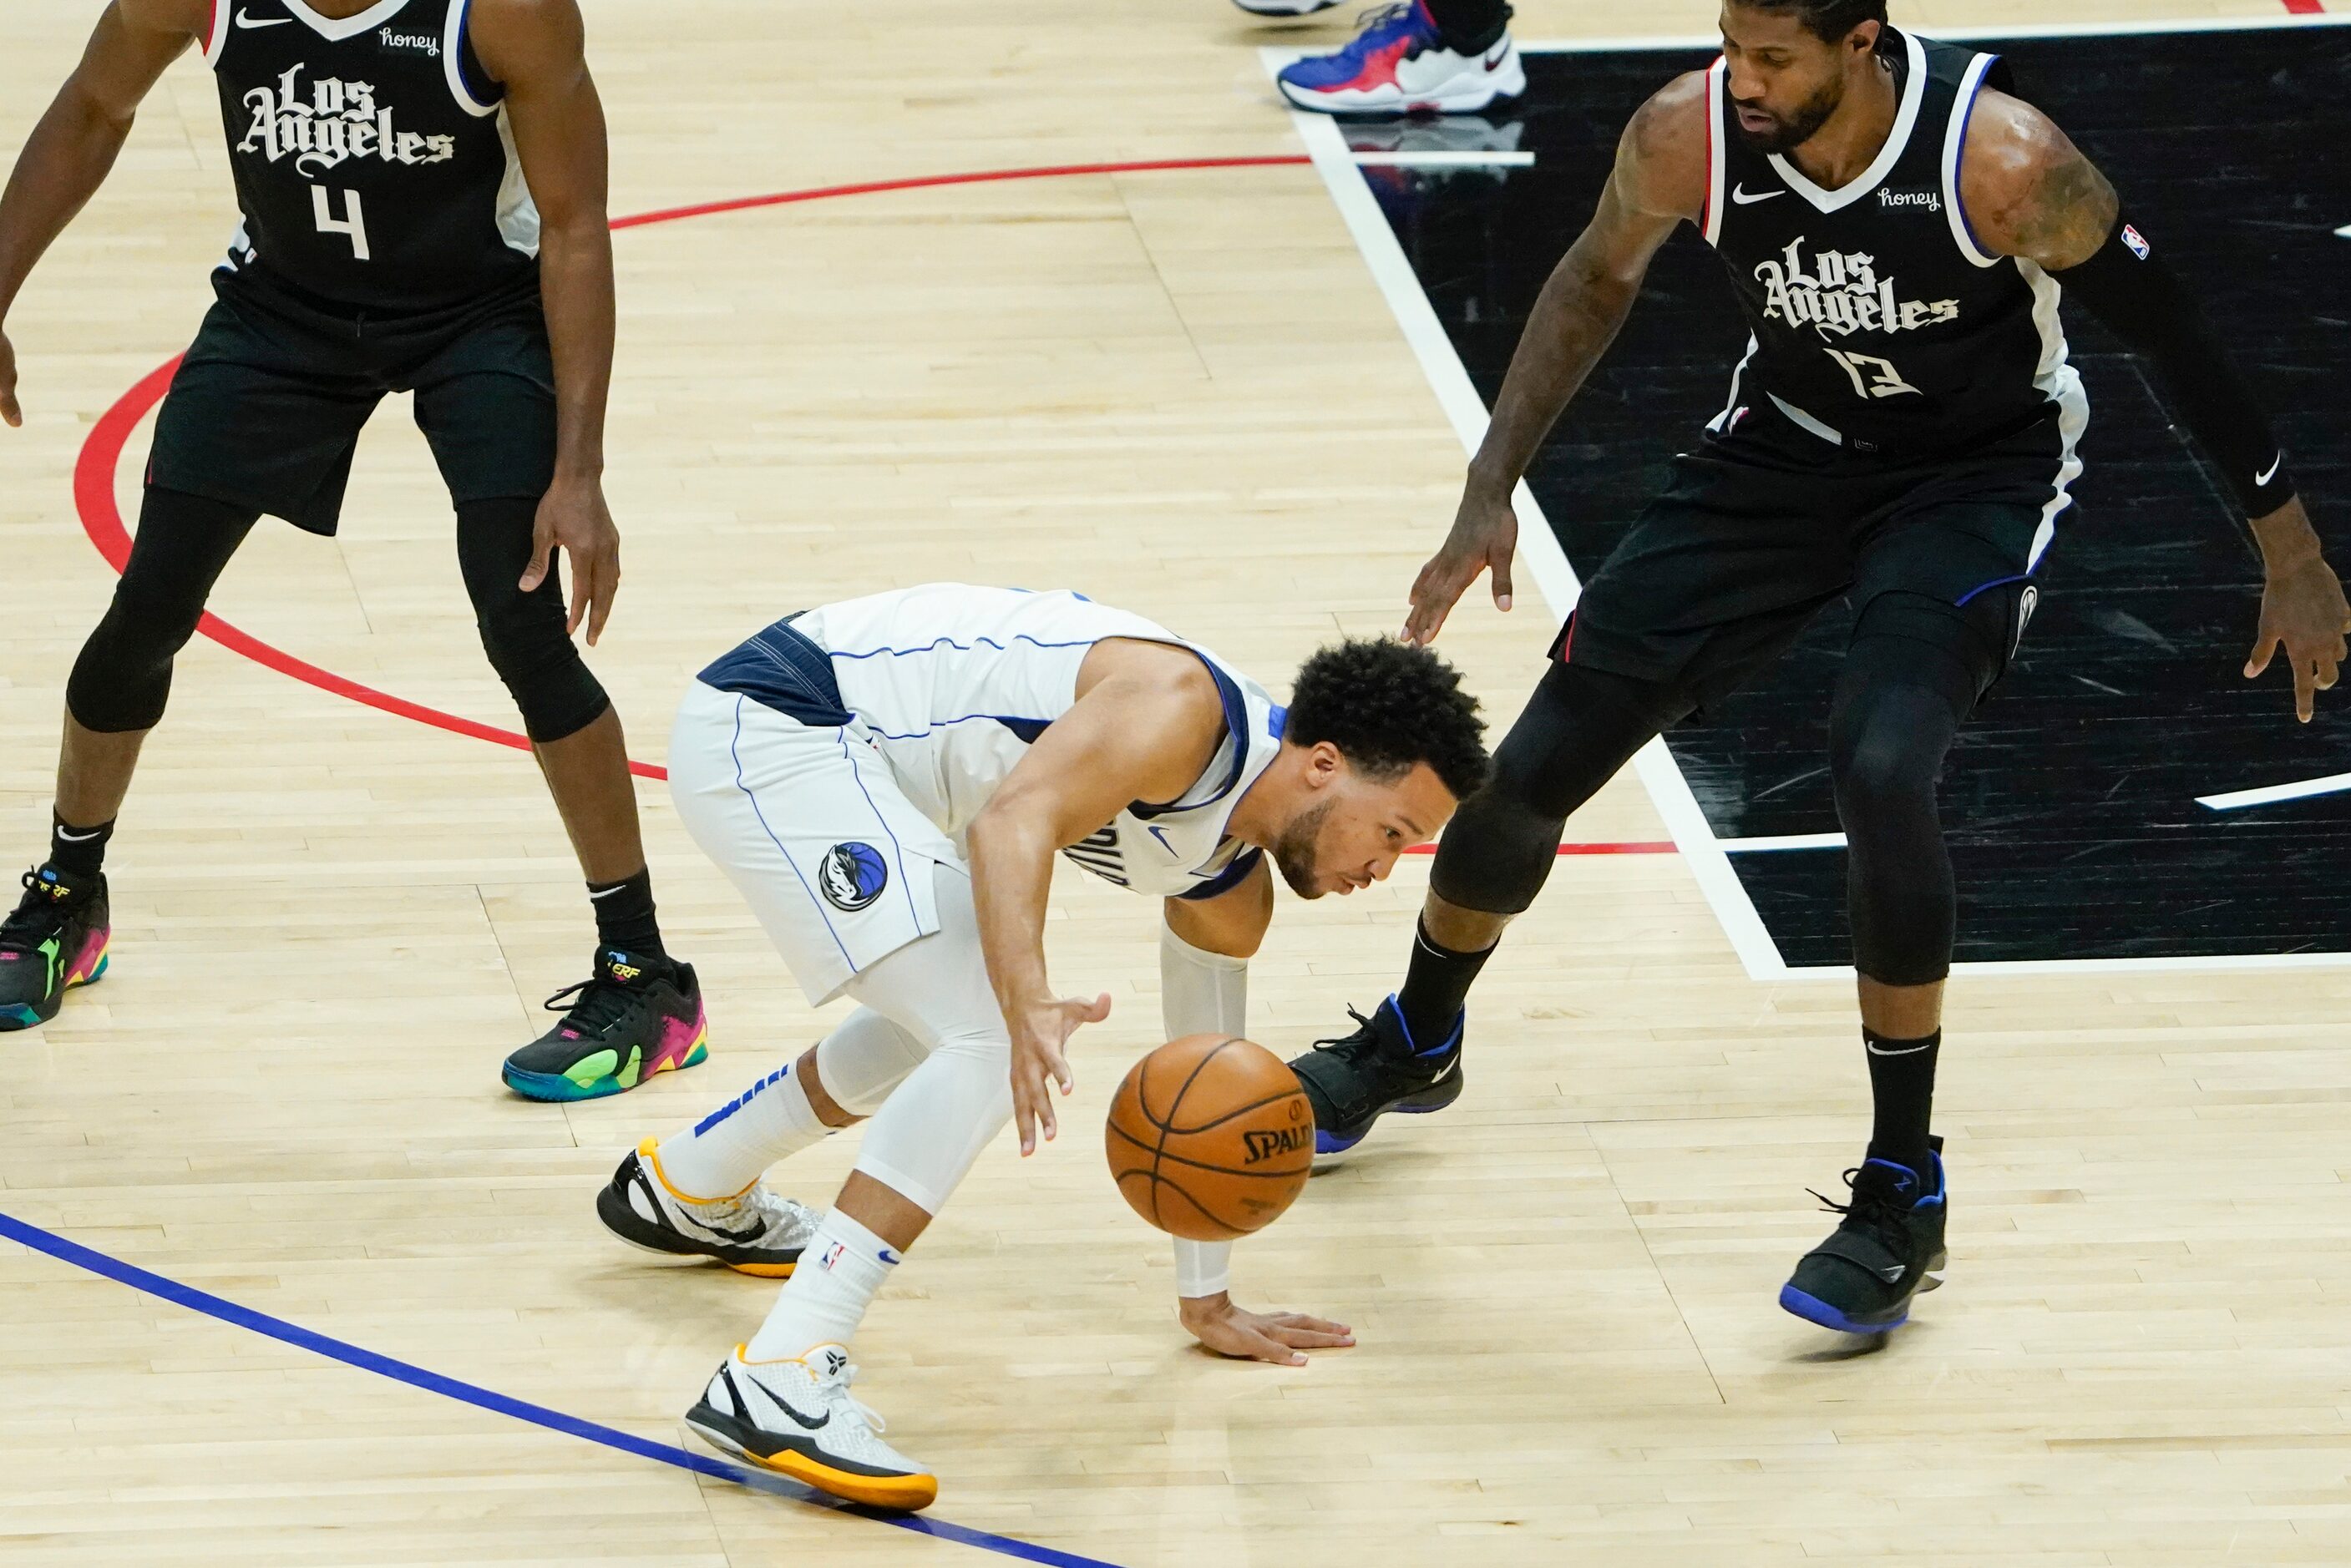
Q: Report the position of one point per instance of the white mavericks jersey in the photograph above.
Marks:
(951, 684)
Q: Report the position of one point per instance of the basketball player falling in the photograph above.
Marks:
(1901, 432)
(422, 185)
(888, 780)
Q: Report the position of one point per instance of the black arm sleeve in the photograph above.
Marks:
(2138, 298)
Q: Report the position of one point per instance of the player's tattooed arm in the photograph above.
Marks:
(2029, 192)
(1147, 720)
(536, 51)
(1659, 181)
(71, 150)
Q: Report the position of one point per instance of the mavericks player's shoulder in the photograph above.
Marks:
(2028, 190)
(1665, 148)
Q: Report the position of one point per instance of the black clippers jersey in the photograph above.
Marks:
(372, 160)
(1878, 322)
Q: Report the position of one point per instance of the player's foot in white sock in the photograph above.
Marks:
(753, 1232)
(733, 1146)
(797, 1417)
(827, 1299)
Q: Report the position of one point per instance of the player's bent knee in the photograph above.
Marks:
(1497, 851)
(553, 689)
(123, 677)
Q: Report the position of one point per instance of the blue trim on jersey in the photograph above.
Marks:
(1983, 589)
(1276, 721)
(781, 669)
(1966, 113)
(1226, 880)
(1235, 707)
(1026, 730)
(735, 750)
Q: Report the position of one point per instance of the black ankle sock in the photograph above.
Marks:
(1434, 987)
(1473, 26)
(625, 915)
(1902, 1085)
(77, 853)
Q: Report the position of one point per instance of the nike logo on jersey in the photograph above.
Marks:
(247, 19)
(2270, 472)
(1164, 842)
(1746, 198)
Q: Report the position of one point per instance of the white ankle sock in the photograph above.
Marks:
(728, 1150)
(826, 1295)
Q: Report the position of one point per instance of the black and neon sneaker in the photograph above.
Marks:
(1355, 1080)
(56, 939)
(1888, 1248)
(752, 1232)
(633, 1018)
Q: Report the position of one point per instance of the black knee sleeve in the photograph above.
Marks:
(123, 679)
(1911, 676)
(524, 634)
(1576, 732)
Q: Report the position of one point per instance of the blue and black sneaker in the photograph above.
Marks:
(1888, 1248)
(1355, 1080)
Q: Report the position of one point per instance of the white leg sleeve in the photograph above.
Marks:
(1201, 992)
(860, 1061)
(930, 1129)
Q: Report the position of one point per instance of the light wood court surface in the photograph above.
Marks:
(1182, 393)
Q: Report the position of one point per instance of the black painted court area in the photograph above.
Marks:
(2071, 800)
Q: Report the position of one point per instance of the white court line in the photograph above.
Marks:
(1555, 579)
(1539, 549)
(2270, 794)
(1962, 35)
(1442, 160)
(1778, 842)
(2344, 233)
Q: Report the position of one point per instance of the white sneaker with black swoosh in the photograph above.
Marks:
(752, 1232)
(798, 1418)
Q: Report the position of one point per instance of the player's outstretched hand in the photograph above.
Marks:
(2303, 611)
(1485, 536)
(1282, 1338)
(1040, 1031)
(572, 514)
(8, 408)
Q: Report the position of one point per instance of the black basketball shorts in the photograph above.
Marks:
(1762, 526)
(265, 409)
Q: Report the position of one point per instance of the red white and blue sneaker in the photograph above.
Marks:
(1888, 1248)
(1356, 1079)
(1284, 8)
(1400, 64)
(635, 1016)
(55, 940)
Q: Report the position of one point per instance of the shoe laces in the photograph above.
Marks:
(834, 1389)
(1872, 1210)
(1365, 1039)
(591, 1005)
(35, 920)
(1375, 22)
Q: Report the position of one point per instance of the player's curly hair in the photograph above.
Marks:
(1827, 20)
(1387, 705)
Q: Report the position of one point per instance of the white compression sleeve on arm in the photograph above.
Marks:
(1201, 992)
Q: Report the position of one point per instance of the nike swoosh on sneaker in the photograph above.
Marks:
(1746, 198)
(1498, 56)
(246, 19)
(1892, 1276)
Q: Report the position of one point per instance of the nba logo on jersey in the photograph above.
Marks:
(2137, 242)
(853, 876)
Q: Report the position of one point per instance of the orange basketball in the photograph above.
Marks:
(1210, 1138)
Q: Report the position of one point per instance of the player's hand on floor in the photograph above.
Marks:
(572, 514)
(2303, 611)
(8, 408)
(1282, 1338)
(1484, 538)
(1039, 1032)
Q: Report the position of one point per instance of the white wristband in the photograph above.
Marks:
(1203, 1268)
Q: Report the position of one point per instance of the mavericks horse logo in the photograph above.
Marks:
(853, 876)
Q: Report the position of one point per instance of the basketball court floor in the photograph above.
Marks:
(290, 1280)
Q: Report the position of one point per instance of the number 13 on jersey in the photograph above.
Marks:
(1872, 376)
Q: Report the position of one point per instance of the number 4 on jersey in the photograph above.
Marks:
(1872, 376)
(353, 221)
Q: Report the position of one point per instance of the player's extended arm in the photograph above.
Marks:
(1141, 731)
(2031, 193)
(67, 157)
(1659, 181)
(538, 51)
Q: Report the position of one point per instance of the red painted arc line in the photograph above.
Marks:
(2304, 7)
(101, 455)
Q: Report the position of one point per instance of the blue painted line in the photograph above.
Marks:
(261, 1323)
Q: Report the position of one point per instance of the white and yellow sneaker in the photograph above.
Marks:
(753, 1232)
(798, 1418)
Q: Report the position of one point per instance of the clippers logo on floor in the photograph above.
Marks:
(853, 876)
